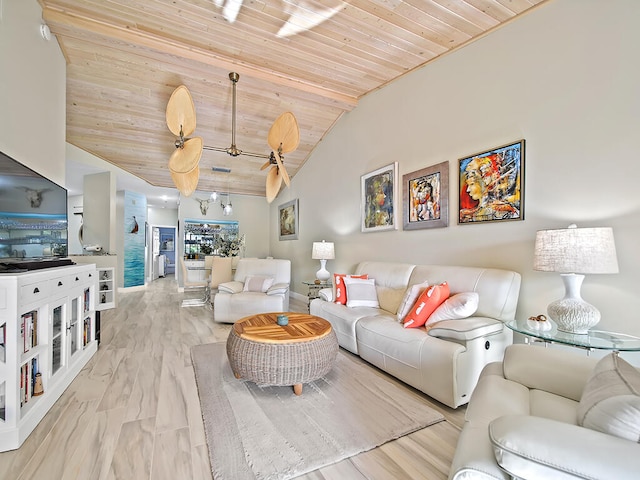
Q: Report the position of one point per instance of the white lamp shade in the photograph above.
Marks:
(576, 250)
(323, 251)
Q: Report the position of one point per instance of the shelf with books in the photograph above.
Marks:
(28, 392)
(48, 323)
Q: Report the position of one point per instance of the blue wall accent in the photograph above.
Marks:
(135, 218)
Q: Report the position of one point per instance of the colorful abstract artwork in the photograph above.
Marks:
(425, 197)
(379, 191)
(491, 185)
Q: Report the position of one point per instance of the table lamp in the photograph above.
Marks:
(573, 252)
(323, 251)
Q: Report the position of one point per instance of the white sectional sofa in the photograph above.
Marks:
(444, 363)
(525, 413)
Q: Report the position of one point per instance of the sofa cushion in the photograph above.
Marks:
(427, 302)
(340, 288)
(411, 294)
(610, 402)
(460, 305)
(257, 283)
(361, 292)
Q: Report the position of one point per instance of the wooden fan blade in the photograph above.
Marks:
(274, 180)
(181, 112)
(266, 164)
(185, 159)
(186, 183)
(282, 170)
(184, 166)
(284, 131)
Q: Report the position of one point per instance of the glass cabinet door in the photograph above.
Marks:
(57, 329)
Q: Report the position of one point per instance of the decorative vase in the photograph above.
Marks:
(282, 320)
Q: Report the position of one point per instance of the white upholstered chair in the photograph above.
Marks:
(259, 285)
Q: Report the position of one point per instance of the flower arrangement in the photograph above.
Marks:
(229, 245)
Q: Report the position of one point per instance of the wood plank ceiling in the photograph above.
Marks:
(315, 58)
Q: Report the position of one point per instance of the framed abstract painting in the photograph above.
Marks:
(425, 197)
(491, 185)
(379, 205)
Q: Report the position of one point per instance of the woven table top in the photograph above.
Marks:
(263, 328)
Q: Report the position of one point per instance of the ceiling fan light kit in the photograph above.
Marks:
(283, 137)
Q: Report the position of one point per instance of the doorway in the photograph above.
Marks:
(164, 251)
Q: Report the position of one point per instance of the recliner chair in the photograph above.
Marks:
(259, 286)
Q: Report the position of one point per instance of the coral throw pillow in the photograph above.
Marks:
(426, 304)
(410, 296)
(341, 289)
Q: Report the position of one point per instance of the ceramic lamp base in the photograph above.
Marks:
(572, 314)
(323, 274)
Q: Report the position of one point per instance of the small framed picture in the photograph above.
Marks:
(491, 185)
(425, 197)
(379, 193)
(288, 220)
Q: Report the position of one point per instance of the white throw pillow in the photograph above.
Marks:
(460, 305)
(257, 283)
(361, 292)
(410, 297)
(610, 401)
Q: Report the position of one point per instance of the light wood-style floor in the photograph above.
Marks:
(133, 412)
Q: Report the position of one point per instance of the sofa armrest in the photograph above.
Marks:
(326, 294)
(231, 287)
(530, 447)
(278, 289)
(466, 329)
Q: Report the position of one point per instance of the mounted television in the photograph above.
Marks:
(33, 214)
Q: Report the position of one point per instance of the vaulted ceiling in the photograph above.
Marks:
(315, 58)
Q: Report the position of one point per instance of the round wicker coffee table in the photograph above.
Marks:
(266, 353)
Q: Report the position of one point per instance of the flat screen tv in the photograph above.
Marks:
(33, 213)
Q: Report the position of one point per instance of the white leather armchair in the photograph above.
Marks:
(523, 422)
(259, 285)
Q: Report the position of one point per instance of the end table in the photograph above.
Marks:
(314, 288)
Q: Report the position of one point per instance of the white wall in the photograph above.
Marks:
(565, 78)
(32, 91)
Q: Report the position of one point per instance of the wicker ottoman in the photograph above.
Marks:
(266, 353)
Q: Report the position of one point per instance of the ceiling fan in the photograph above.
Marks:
(283, 137)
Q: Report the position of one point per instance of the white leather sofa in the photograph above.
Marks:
(445, 362)
(233, 301)
(524, 415)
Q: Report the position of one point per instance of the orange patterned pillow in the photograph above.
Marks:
(430, 299)
(341, 289)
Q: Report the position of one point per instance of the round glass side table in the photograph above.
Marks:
(593, 340)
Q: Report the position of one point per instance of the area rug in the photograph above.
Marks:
(270, 433)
